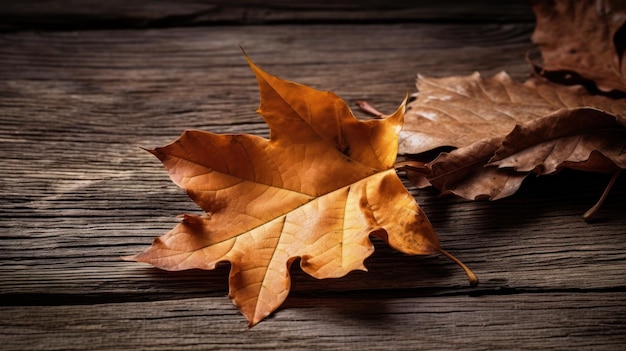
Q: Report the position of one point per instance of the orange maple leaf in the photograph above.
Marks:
(316, 190)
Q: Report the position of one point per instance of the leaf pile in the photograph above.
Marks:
(504, 130)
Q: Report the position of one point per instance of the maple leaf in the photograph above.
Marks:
(316, 190)
(587, 37)
(504, 130)
(460, 110)
(465, 172)
(582, 138)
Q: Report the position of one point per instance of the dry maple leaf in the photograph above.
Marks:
(464, 172)
(587, 37)
(477, 114)
(316, 190)
(583, 138)
(460, 110)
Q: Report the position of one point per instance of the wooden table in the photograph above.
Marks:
(85, 85)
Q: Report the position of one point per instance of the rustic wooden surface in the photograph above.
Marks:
(76, 192)
(85, 14)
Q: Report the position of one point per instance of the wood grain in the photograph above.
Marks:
(547, 321)
(77, 192)
(91, 14)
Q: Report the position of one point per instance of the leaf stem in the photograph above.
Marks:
(369, 109)
(470, 275)
(591, 213)
(415, 166)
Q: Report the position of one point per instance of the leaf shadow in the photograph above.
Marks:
(368, 312)
(385, 267)
(365, 296)
(567, 194)
(546, 199)
(185, 284)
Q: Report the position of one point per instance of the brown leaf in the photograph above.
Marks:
(587, 37)
(476, 114)
(459, 110)
(464, 172)
(582, 138)
(316, 190)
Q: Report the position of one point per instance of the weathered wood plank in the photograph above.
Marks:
(549, 321)
(86, 14)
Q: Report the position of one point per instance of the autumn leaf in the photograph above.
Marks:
(582, 138)
(465, 173)
(460, 110)
(586, 37)
(484, 117)
(316, 190)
